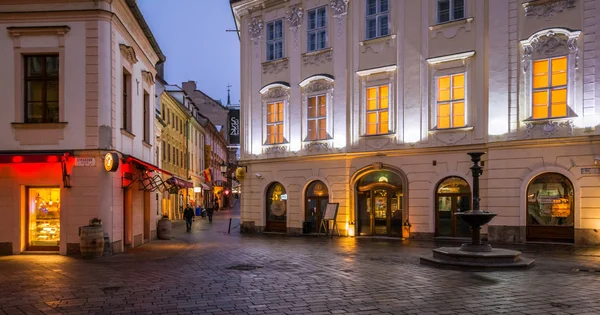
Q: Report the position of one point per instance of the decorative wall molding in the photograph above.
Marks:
(317, 57)
(447, 58)
(451, 137)
(275, 66)
(377, 143)
(17, 32)
(388, 69)
(317, 146)
(339, 9)
(276, 93)
(294, 16)
(278, 149)
(148, 77)
(548, 128)
(450, 29)
(547, 8)
(548, 43)
(377, 45)
(318, 85)
(128, 53)
(255, 29)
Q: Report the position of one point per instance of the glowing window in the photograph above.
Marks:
(377, 110)
(317, 118)
(451, 101)
(549, 88)
(275, 123)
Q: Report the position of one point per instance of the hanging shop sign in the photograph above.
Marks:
(240, 173)
(111, 162)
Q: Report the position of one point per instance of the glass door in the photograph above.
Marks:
(380, 212)
(444, 217)
(43, 219)
(276, 209)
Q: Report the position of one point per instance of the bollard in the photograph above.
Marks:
(229, 229)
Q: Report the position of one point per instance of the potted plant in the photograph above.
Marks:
(406, 229)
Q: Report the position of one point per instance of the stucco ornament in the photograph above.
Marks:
(128, 53)
(550, 43)
(294, 16)
(280, 149)
(255, 28)
(547, 8)
(318, 85)
(318, 58)
(317, 146)
(549, 128)
(148, 77)
(277, 92)
(276, 66)
(340, 9)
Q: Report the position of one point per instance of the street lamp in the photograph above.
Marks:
(225, 166)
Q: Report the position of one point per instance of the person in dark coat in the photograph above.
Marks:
(188, 214)
(209, 211)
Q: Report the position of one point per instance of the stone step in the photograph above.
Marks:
(496, 256)
(474, 266)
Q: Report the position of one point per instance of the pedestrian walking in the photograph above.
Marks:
(188, 214)
(209, 212)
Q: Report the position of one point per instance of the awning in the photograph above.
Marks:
(33, 156)
(204, 186)
(151, 167)
(179, 182)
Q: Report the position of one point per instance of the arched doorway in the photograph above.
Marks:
(380, 204)
(317, 197)
(453, 195)
(276, 208)
(550, 209)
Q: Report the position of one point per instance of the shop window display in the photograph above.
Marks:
(44, 217)
(550, 201)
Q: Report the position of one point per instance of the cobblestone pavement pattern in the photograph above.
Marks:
(193, 273)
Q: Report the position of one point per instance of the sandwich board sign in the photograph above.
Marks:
(330, 215)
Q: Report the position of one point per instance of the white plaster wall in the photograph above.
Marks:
(74, 85)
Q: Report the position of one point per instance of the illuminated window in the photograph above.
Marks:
(317, 118)
(377, 18)
(377, 110)
(549, 88)
(451, 101)
(274, 123)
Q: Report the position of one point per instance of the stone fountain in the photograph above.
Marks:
(476, 254)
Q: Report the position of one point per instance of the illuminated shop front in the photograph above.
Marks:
(317, 198)
(43, 212)
(380, 204)
(276, 208)
(550, 209)
(453, 195)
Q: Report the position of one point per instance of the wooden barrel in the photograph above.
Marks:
(164, 229)
(91, 241)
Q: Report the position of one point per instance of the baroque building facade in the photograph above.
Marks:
(79, 124)
(374, 104)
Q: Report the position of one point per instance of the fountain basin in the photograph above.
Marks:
(476, 218)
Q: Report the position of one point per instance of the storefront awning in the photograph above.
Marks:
(204, 186)
(151, 167)
(180, 182)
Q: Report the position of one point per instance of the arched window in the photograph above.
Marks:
(453, 195)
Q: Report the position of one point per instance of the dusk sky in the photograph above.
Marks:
(191, 33)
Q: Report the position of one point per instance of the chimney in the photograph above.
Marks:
(188, 86)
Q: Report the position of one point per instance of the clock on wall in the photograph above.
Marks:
(111, 162)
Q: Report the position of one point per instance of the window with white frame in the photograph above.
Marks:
(317, 29)
(450, 10)
(377, 110)
(274, 123)
(377, 18)
(451, 101)
(317, 118)
(549, 88)
(275, 40)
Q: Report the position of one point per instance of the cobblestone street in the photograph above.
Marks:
(208, 271)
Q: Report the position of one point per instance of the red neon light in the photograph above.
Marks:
(17, 159)
(52, 159)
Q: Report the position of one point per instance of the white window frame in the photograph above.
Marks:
(444, 66)
(267, 98)
(451, 101)
(377, 17)
(316, 30)
(372, 78)
(378, 110)
(311, 87)
(530, 54)
(276, 122)
(451, 6)
(272, 42)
